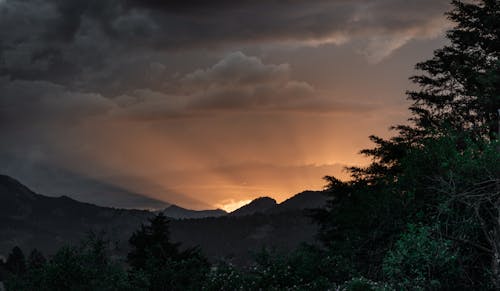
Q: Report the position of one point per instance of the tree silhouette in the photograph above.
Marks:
(440, 171)
(165, 266)
(16, 262)
(36, 260)
(460, 86)
(152, 241)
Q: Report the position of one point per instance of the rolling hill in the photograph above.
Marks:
(30, 220)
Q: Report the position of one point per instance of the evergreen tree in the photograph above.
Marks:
(16, 262)
(36, 260)
(152, 240)
(459, 89)
(80, 268)
(440, 171)
(161, 262)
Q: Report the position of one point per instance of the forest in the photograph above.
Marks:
(423, 215)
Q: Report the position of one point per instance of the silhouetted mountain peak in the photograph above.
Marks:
(177, 212)
(32, 220)
(12, 187)
(304, 200)
(261, 204)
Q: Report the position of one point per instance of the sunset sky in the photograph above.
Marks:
(203, 104)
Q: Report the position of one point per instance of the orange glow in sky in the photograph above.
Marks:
(204, 112)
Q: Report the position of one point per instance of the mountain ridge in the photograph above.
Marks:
(178, 212)
(31, 220)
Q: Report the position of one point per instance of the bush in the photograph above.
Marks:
(419, 261)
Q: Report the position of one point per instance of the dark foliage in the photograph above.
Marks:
(440, 172)
(424, 215)
(16, 262)
(165, 266)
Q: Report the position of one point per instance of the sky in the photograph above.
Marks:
(203, 104)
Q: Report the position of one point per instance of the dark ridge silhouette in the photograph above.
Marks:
(53, 181)
(304, 200)
(259, 205)
(31, 220)
(178, 212)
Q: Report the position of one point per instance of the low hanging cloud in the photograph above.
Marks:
(40, 102)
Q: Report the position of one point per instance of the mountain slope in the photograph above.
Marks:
(31, 220)
(259, 205)
(303, 200)
(178, 212)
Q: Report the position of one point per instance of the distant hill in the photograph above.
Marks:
(30, 220)
(178, 212)
(259, 205)
(303, 200)
(53, 181)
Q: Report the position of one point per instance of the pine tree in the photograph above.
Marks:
(36, 260)
(440, 170)
(16, 262)
(459, 89)
(152, 241)
(162, 263)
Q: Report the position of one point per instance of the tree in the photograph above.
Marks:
(16, 262)
(460, 85)
(163, 264)
(439, 171)
(152, 241)
(458, 90)
(36, 260)
(84, 267)
(465, 184)
(420, 262)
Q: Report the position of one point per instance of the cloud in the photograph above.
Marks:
(202, 23)
(64, 40)
(97, 86)
(244, 82)
(237, 68)
(35, 102)
(236, 83)
(241, 82)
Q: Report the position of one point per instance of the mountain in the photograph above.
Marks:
(54, 181)
(259, 205)
(301, 201)
(304, 200)
(178, 212)
(30, 220)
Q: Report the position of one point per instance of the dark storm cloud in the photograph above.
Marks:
(236, 83)
(37, 102)
(75, 73)
(59, 40)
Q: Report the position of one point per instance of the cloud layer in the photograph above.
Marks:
(137, 95)
(62, 41)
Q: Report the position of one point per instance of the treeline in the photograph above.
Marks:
(155, 263)
(424, 215)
